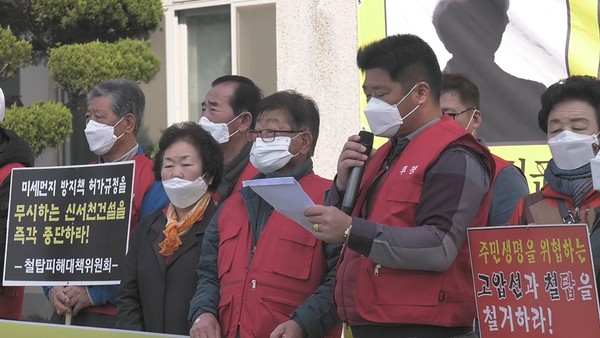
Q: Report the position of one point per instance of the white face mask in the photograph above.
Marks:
(2, 103)
(269, 157)
(101, 137)
(219, 131)
(183, 193)
(384, 118)
(572, 150)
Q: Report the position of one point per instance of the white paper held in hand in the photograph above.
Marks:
(286, 196)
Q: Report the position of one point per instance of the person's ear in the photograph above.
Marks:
(423, 91)
(303, 143)
(208, 180)
(130, 122)
(476, 119)
(245, 122)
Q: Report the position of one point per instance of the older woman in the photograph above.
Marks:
(570, 117)
(160, 276)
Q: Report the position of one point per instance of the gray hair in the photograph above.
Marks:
(126, 97)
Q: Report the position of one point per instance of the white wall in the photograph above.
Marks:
(316, 52)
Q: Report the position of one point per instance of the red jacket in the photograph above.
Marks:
(287, 267)
(143, 179)
(542, 207)
(396, 296)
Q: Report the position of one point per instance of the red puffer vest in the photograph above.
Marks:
(287, 266)
(383, 295)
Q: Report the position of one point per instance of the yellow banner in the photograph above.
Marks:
(531, 159)
(10, 328)
(583, 53)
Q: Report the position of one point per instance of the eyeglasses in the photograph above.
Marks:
(454, 114)
(267, 135)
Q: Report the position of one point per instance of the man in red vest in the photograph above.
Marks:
(14, 153)
(228, 111)
(114, 115)
(260, 273)
(405, 269)
(460, 101)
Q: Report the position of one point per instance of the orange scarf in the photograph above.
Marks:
(175, 229)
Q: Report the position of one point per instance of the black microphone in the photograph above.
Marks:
(366, 139)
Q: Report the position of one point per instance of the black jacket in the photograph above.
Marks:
(155, 296)
(13, 149)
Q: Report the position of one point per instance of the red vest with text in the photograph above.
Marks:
(288, 265)
(11, 297)
(381, 295)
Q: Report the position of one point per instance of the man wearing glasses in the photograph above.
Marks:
(460, 100)
(260, 273)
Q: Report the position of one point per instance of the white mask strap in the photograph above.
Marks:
(405, 96)
(471, 120)
(235, 118)
(412, 111)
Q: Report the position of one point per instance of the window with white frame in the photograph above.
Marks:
(208, 39)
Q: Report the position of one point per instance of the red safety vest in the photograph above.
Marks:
(379, 295)
(11, 297)
(288, 265)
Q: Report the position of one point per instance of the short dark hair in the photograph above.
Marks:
(207, 148)
(406, 58)
(301, 111)
(577, 87)
(461, 84)
(126, 97)
(246, 95)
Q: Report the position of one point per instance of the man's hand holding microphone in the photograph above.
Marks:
(331, 224)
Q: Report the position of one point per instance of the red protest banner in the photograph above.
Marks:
(534, 281)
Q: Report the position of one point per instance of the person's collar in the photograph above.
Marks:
(241, 157)
(126, 157)
(419, 130)
(298, 172)
(233, 170)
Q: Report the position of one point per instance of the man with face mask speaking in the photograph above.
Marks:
(228, 111)
(460, 101)
(405, 269)
(114, 115)
(260, 273)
